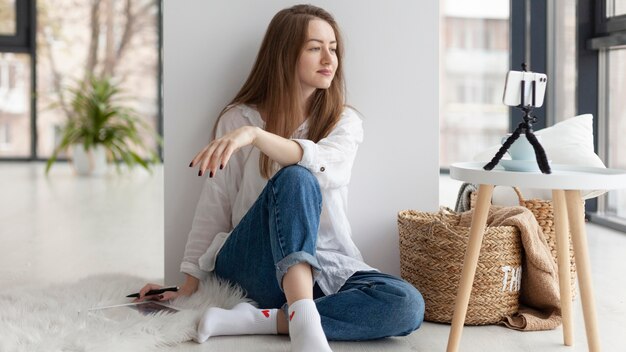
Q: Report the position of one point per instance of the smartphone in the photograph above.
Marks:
(513, 88)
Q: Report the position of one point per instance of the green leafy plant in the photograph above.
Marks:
(97, 117)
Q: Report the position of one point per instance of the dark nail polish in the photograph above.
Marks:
(211, 174)
(221, 166)
(200, 173)
(191, 164)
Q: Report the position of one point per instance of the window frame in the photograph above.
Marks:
(529, 45)
(19, 41)
(608, 24)
(597, 34)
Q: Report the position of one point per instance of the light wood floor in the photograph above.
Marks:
(64, 227)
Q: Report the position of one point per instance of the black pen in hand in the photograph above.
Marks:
(155, 292)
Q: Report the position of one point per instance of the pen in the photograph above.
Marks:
(155, 292)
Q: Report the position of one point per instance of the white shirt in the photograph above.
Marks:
(228, 196)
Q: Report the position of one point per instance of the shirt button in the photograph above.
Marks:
(322, 169)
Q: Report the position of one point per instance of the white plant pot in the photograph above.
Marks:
(90, 163)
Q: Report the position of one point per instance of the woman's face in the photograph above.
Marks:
(318, 60)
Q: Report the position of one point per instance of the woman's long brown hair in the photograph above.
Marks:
(272, 85)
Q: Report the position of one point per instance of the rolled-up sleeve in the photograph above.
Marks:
(331, 159)
(213, 216)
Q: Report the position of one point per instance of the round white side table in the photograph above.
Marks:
(565, 182)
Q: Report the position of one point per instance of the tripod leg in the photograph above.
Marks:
(507, 144)
(540, 153)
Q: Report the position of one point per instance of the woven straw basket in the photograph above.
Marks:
(543, 210)
(432, 250)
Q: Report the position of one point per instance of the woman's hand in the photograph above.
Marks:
(187, 289)
(218, 152)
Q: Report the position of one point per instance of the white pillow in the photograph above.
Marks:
(567, 142)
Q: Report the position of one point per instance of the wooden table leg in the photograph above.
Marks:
(563, 257)
(579, 238)
(477, 229)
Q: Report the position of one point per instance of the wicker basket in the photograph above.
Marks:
(543, 210)
(432, 250)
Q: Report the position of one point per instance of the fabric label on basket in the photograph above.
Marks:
(512, 278)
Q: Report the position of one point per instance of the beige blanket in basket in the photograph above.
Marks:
(540, 305)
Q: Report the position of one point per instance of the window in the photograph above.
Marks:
(15, 103)
(616, 125)
(15, 80)
(474, 62)
(112, 38)
(73, 40)
(616, 8)
(5, 136)
(561, 92)
(7, 17)
(609, 44)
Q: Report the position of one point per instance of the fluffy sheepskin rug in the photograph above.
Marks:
(54, 318)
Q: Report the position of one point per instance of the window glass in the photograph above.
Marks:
(616, 129)
(7, 17)
(15, 136)
(76, 39)
(615, 8)
(563, 74)
(474, 61)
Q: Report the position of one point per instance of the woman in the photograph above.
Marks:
(272, 214)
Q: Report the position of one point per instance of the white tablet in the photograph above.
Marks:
(127, 311)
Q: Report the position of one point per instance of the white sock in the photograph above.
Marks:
(305, 328)
(243, 319)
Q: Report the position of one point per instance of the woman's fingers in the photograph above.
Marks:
(206, 158)
(166, 296)
(198, 156)
(212, 158)
(145, 289)
(217, 153)
(215, 160)
(228, 152)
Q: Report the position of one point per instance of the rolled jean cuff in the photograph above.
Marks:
(296, 258)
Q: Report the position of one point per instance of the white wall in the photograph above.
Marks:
(391, 72)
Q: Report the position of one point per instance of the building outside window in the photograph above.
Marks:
(15, 104)
(474, 61)
(7, 17)
(561, 91)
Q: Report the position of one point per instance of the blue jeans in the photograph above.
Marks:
(279, 231)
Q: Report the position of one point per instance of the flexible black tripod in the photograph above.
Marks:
(525, 127)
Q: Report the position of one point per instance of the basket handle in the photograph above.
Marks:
(519, 195)
(446, 210)
(431, 225)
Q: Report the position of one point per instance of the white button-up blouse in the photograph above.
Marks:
(227, 196)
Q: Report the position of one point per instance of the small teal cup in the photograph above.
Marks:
(521, 149)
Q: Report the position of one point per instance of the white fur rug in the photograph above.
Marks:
(54, 318)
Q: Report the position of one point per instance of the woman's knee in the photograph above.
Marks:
(295, 177)
(409, 308)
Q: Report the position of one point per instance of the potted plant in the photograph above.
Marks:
(99, 127)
